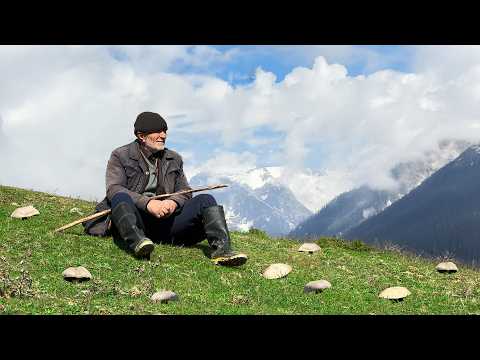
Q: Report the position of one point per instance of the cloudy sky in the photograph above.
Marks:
(352, 110)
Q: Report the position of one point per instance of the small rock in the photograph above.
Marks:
(309, 247)
(448, 267)
(25, 212)
(276, 271)
(317, 286)
(76, 274)
(164, 296)
(397, 293)
(76, 211)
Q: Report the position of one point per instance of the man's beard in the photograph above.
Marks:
(158, 147)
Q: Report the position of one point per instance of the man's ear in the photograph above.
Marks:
(141, 136)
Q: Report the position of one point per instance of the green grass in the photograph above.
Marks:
(32, 259)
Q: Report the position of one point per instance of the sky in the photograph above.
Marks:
(349, 110)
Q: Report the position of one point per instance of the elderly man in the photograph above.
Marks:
(144, 168)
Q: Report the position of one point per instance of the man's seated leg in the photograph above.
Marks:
(129, 225)
(202, 218)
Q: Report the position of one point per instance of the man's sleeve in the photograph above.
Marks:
(181, 183)
(116, 182)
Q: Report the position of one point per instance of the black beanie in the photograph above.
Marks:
(148, 122)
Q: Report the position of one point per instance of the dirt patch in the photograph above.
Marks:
(20, 286)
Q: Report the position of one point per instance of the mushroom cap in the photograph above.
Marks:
(317, 286)
(394, 293)
(276, 271)
(164, 296)
(25, 212)
(309, 247)
(76, 211)
(447, 266)
(76, 273)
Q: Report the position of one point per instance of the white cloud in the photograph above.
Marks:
(224, 163)
(446, 62)
(64, 109)
(365, 59)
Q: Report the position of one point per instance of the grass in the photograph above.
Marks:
(32, 260)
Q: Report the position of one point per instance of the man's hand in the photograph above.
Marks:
(161, 208)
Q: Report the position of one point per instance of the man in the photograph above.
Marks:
(144, 168)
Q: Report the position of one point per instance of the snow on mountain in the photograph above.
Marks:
(256, 178)
(411, 174)
(440, 216)
(351, 208)
(312, 189)
(256, 199)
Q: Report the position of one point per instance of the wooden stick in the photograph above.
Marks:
(105, 212)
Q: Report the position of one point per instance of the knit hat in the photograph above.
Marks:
(148, 122)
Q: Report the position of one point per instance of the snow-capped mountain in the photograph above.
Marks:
(256, 199)
(312, 189)
(440, 216)
(351, 208)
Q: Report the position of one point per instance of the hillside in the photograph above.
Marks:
(32, 259)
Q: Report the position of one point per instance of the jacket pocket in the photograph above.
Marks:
(170, 179)
(134, 176)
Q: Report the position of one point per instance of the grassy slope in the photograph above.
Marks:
(32, 260)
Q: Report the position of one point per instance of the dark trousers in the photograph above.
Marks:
(183, 227)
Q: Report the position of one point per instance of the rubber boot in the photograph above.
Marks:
(215, 226)
(125, 221)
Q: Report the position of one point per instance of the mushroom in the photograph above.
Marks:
(395, 293)
(76, 274)
(76, 211)
(276, 271)
(317, 286)
(164, 296)
(448, 267)
(309, 247)
(25, 212)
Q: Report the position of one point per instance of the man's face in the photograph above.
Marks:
(155, 141)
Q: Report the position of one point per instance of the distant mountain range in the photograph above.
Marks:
(439, 217)
(435, 210)
(256, 199)
(353, 207)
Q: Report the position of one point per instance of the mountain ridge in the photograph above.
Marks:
(441, 215)
(351, 208)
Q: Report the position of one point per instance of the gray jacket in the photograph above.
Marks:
(127, 172)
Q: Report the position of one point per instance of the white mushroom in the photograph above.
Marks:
(25, 212)
(76, 211)
(76, 274)
(395, 293)
(276, 271)
(309, 247)
(448, 267)
(317, 286)
(164, 296)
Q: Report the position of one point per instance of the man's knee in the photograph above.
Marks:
(206, 200)
(121, 197)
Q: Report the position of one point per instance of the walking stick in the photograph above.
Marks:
(104, 212)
